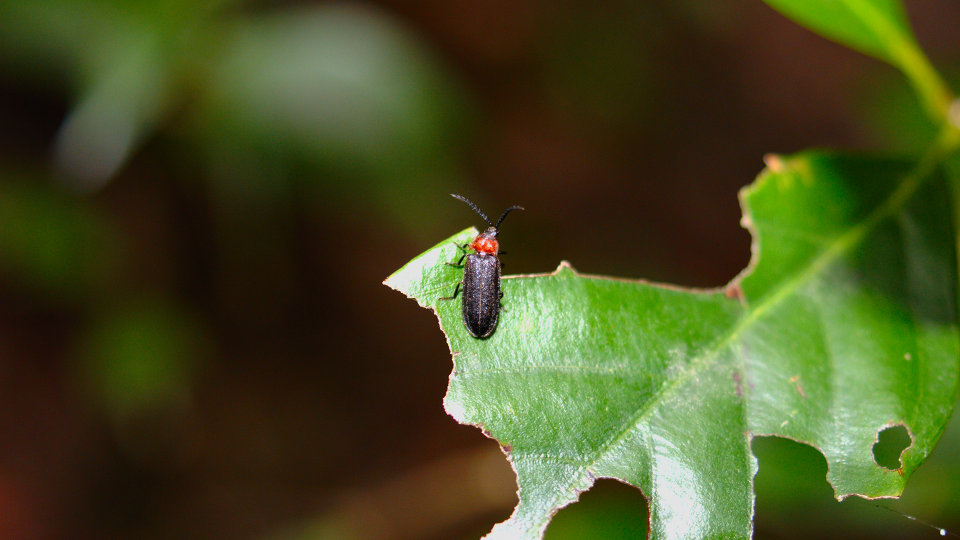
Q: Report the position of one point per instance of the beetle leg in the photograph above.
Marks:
(459, 263)
(463, 248)
(455, 291)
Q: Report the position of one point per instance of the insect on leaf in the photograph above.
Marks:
(845, 323)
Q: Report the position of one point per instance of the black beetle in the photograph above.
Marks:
(481, 276)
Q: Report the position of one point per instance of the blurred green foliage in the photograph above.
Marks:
(339, 94)
(54, 244)
(333, 102)
(140, 358)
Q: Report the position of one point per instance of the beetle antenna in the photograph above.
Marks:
(504, 215)
(475, 209)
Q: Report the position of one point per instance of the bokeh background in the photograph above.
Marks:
(199, 201)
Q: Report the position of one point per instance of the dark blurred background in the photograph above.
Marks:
(199, 201)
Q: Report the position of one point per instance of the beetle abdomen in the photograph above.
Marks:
(481, 294)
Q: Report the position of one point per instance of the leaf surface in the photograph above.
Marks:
(844, 324)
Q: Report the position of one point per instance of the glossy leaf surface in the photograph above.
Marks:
(844, 324)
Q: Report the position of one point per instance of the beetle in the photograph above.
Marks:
(481, 276)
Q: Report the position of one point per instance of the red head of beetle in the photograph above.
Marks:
(486, 243)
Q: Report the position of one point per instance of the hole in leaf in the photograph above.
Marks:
(891, 442)
(793, 475)
(795, 502)
(609, 510)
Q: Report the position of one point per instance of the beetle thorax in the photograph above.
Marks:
(486, 243)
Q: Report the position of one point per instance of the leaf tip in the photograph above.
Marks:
(419, 279)
(390, 281)
(774, 162)
(400, 281)
(564, 268)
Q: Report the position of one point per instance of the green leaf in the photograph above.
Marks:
(140, 358)
(343, 88)
(874, 27)
(879, 28)
(56, 246)
(844, 324)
